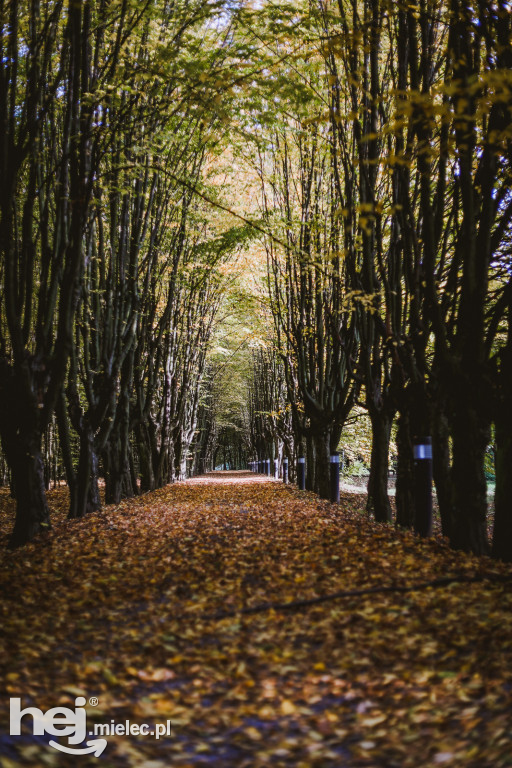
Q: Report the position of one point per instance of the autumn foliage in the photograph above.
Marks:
(187, 604)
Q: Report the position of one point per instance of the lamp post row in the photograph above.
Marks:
(422, 480)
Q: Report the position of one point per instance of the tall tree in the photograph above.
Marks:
(53, 64)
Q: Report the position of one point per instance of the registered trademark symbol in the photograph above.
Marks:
(93, 701)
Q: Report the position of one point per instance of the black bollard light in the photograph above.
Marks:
(423, 485)
(285, 471)
(268, 467)
(301, 473)
(276, 469)
(335, 478)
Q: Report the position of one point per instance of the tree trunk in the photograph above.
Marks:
(502, 536)
(310, 463)
(469, 485)
(378, 499)
(404, 473)
(118, 480)
(133, 474)
(145, 456)
(88, 495)
(441, 470)
(322, 465)
(67, 457)
(32, 514)
(118, 484)
(21, 442)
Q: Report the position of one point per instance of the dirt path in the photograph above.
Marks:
(147, 607)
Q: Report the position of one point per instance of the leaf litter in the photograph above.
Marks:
(147, 606)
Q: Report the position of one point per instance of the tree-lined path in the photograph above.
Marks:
(237, 233)
(148, 606)
(231, 230)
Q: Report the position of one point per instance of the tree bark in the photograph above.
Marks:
(21, 441)
(32, 514)
(118, 483)
(310, 463)
(322, 444)
(502, 535)
(67, 458)
(88, 495)
(145, 456)
(441, 469)
(470, 439)
(404, 473)
(378, 499)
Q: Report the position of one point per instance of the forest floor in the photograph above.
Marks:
(190, 605)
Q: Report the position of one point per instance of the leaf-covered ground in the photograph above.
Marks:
(140, 606)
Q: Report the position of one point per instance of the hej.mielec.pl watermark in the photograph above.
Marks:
(72, 723)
